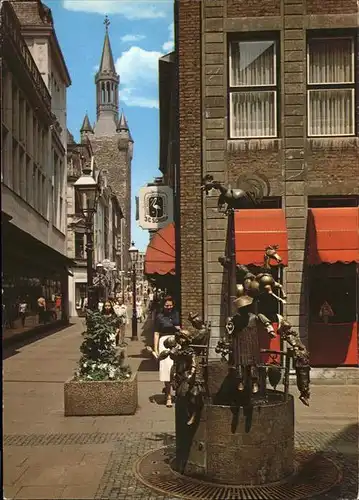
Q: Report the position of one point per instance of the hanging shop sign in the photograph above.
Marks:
(155, 207)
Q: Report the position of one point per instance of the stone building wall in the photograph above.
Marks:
(189, 27)
(117, 163)
(296, 166)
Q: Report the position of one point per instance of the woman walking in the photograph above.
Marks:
(167, 323)
(23, 311)
(121, 311)
(139, 310)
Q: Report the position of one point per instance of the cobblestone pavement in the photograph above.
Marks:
(48, 456)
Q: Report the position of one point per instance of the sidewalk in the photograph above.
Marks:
(32, 328)
(48, 456)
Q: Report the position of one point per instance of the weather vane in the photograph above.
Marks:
(106, 22)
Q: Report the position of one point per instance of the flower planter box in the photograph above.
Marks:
(110, 397)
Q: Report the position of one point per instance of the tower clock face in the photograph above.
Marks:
(156, 207)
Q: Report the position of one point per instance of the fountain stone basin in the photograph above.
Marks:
(239, 445)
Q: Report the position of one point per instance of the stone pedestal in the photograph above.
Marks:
(247, 446)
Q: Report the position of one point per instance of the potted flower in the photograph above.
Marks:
(102, 384)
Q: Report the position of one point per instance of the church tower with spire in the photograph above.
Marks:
(111, 138)
(107, 82)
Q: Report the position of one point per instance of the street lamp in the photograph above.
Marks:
(87, 190)
(134, 257)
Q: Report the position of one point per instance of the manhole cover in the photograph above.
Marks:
(315, 474)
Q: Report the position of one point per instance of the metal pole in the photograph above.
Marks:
(232, 265)
(122, 263)
(89, 252)
(134, 309)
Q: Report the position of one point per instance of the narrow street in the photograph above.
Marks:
(48, 456)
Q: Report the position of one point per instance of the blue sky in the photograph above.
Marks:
(140, 32)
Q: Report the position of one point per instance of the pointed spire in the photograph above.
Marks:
(122, 124)
(86, 125)
(107, 64)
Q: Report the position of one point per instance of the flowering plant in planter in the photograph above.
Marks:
(100, 359)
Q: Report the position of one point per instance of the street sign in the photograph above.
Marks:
(155, 207)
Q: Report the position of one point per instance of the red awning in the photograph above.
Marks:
(255, 229)
(333, 235)
(161, 251)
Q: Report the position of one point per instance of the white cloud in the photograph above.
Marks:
(132, 98)
(132, 38)
(138, 70)
(133, 10)
(169, 45)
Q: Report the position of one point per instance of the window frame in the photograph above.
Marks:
(82, 254)
(238, 89)
(321, 277)
(314, 87)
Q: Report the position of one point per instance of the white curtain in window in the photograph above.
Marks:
(331, 61)
(331, 112)
(253, 114)
(252, 63)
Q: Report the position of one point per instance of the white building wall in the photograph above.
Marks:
(26, 166)
(79, 277)
(52, 232)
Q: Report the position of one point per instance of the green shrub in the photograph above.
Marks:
(100, 359)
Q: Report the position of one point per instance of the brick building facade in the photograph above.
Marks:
(272, 112)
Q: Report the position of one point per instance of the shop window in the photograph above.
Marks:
(332, 293)
(253, 91)
(332, 201)
(331, 86)
(269, 202)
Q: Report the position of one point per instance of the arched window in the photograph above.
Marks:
(103, 93)
(108, 92)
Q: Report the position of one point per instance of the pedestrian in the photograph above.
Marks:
(22, 311)
(110, 314)
(100, 305)
(58, 302)
(139, 310)
(121, 311)
(167, 323)
(41, 308)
